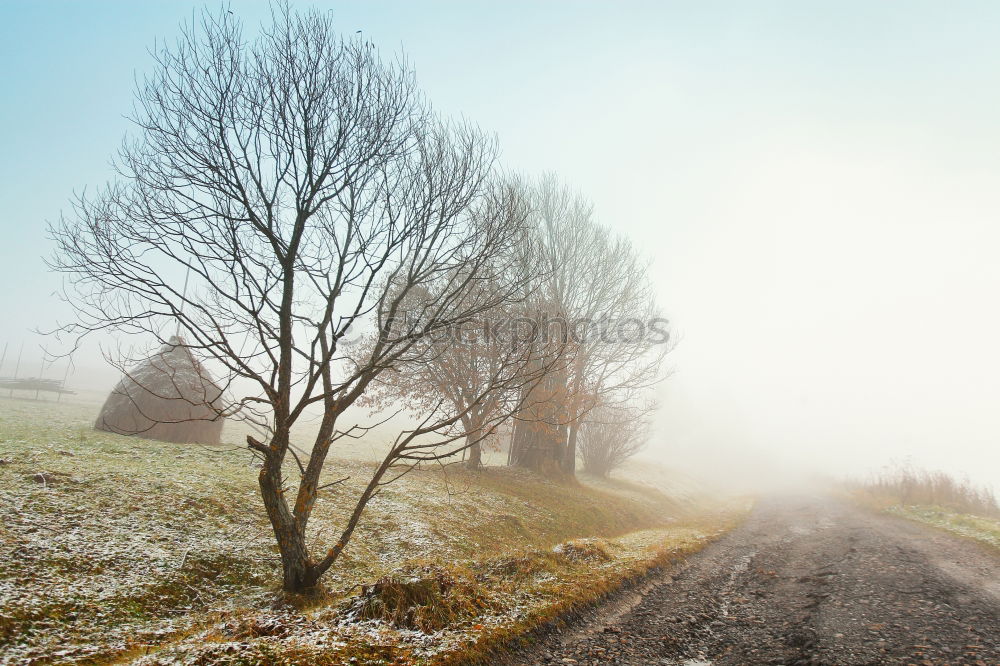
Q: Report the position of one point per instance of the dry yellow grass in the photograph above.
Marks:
(935, 499)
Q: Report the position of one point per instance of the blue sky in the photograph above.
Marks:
(815, 183)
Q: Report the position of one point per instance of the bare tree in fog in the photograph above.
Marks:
(611, 434)
(307, 188)
(598, 298)
(477, 372)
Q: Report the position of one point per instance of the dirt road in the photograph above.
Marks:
(805, 581)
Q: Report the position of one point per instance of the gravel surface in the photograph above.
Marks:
(805, 580)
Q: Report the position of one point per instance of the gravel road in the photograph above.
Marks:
(805, 580)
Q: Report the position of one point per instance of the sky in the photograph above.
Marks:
(814, 184)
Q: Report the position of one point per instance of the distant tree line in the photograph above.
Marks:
(295, 209)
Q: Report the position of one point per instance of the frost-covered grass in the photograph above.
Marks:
(482, 605)
(980, 528)
(115, 547)
(112, 542)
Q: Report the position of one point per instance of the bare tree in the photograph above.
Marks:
(621, 353)
(611, 434)
(309, 192)
(598, 298)
(476, 374)
(481, 370)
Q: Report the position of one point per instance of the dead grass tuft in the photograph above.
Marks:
(430, 599)
(48, 478)
(588, 550)
(262, 626)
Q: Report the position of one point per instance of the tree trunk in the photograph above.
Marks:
(539, 442)
(295, 563)
(475, 456)
(569, 460)
(540, 447)
(473, 423)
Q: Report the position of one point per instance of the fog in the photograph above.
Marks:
(814, 186)
(851, 326)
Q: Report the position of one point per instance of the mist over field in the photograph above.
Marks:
(815, 192)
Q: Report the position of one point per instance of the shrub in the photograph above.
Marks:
(909, 486)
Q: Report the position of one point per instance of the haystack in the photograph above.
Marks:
(169, 397)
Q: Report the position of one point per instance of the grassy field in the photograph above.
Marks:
(119, 549)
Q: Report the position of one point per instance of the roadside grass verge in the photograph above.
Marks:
(979, 528)
(933, 498)
(116, 548)
(914, 487)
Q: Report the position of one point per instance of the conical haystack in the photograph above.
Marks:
(169, 397)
